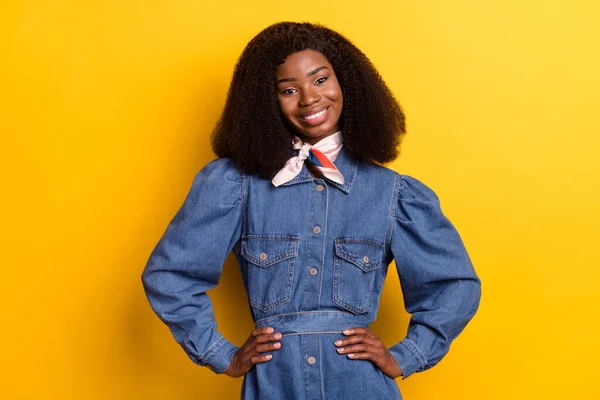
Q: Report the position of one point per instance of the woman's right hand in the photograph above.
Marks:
(261, 340)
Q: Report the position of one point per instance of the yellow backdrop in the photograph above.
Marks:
(106, 113)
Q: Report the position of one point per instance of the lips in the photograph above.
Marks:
(314, 116)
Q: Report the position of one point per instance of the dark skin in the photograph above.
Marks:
(309, 95)
(302, 91)
(359, 344)
(260, 341)
(363, 344)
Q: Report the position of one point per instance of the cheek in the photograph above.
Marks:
(334, 93)
(286, 109)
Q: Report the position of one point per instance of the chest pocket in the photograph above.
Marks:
(270, 269)
(355, 266)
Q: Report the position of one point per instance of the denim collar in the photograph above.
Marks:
(345, 163)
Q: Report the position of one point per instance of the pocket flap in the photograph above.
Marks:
(266, 250)
(364, 253)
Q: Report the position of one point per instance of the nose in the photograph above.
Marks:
(308, 97)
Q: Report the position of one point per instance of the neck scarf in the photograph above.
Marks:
(321, 155)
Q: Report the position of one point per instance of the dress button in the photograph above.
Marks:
(320, 188)
(317, 229)
(366, 259)
(263, 256)
(313, 271)
(311, 360)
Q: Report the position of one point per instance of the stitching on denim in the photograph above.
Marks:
(393, 209)
(350, 307)
(299, 179)
(323, 247)
(285, 298)
(356, 259)
(333, 313)
(354, 239)
(415, 350)
(244, 203)
(272, 236)
(347, 182)
(304, 372)
(278, 257)
(321, 368)
(270, 261)
(207, 354)
(312, 333)
(290, 282)
(304, 282)
(338, 299)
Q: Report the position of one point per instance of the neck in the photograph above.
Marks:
(312, 140)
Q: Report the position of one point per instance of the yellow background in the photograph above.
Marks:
(106, 112)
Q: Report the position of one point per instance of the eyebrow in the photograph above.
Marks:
(311, 73)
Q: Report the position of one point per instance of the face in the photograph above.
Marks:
(309, 95)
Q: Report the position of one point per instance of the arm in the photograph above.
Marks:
(188, 260)
(440, 287)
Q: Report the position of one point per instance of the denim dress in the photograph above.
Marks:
(314, 256)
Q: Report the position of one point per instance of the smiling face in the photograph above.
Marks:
(309, 95)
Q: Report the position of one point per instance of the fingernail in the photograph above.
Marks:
(277, 345)
(338, 342)
(347, 331)
(268, 357)
(278, 336)
(269, 330)
(340, 350)
(351, 355)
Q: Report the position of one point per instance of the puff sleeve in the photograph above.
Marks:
(440, 287)
(188, 260)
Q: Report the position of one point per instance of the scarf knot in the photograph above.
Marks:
(321, 155)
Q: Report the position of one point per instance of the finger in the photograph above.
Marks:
(263, 348)
(268, 338)
(261, 359)
(255, 347)
(265, 330)
(358, 331)
(358, 339)
(362, 356)
(360, 348)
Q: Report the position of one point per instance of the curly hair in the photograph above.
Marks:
(251, 130)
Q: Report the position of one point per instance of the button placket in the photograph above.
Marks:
(312, 373)
(317, 217)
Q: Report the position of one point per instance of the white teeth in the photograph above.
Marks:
(317, 115)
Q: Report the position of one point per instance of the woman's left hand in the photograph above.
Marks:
(362, 344)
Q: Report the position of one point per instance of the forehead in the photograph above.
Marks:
(302, 62)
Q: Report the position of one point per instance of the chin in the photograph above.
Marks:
(318, 131)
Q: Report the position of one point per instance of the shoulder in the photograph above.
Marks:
(218, 183)
(412, 189)
(406, 187)
(219, 171)
(417, 203)
(376, 173)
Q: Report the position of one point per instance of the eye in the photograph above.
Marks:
(321, 80)
(288, 91)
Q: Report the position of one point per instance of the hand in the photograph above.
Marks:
(260, 341)
(362, 344)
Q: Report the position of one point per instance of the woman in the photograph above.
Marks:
(298, 194)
